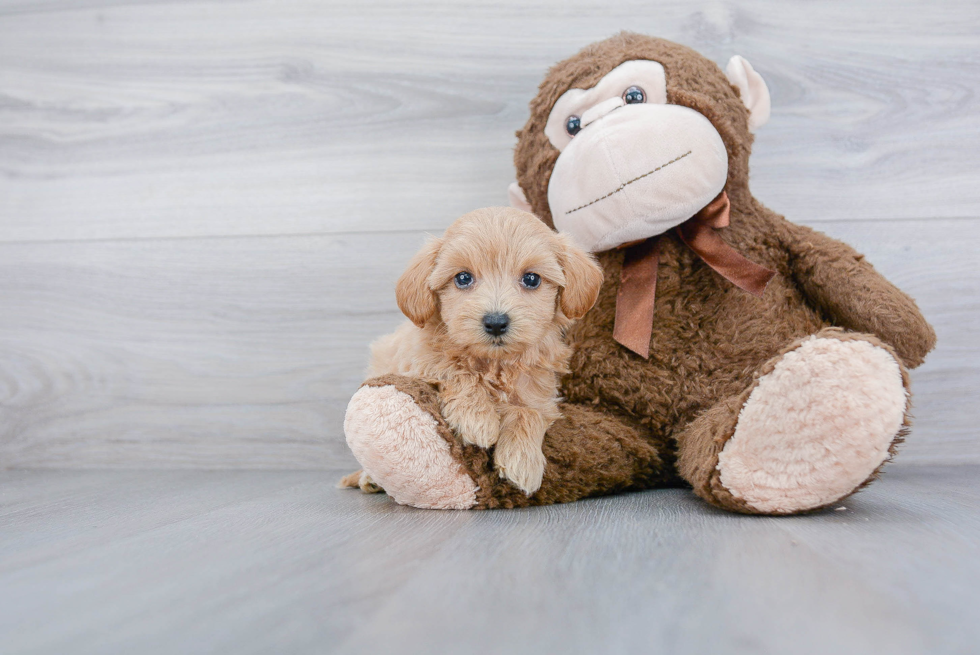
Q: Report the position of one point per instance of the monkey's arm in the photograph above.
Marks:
(838, 280)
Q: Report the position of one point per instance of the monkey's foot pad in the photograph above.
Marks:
(816, 427)
(399, 446)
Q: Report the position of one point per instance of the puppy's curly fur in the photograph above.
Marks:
(496, 390)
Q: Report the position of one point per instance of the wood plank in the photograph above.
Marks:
(134, 119)
(243, 352)
(296, 566)
(220, 352)
(46, 516)
(285, 560)
(660, 572)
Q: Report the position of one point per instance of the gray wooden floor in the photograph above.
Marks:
(281, 562)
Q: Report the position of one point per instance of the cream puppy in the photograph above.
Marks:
(488, 305)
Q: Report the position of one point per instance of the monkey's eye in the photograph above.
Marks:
(634, 95)
(572, 125)
(531, 281)
(463, 280)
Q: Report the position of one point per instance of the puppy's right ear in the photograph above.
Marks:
(416, 300)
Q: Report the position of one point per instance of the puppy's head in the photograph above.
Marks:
(498, 281)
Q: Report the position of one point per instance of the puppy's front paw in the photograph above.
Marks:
(520, 461)
(479, 428)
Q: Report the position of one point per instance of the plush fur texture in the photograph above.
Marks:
(495, 390)
(399, 445)
(814, 426)
(633, 423)
(588, 453)
(692, 81)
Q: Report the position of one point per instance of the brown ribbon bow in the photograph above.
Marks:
(638, 281)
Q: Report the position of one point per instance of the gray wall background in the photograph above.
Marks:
(204, 205)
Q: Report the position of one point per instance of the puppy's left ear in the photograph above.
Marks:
(416, 300)
(583, 279)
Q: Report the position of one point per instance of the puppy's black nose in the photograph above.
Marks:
(496, 324)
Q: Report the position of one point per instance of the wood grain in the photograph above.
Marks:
(203, 209)
(149, 119)
(220, 352)
(203, 206)
(262, 561)
(243, 352)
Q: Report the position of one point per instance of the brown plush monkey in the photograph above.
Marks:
(760, 362)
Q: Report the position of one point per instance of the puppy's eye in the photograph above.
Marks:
(463, 280)
(531, 281)
(634, 95)
(572, 125)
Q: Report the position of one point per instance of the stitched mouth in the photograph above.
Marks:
(629, 182)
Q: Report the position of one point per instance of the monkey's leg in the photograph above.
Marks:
(816, 424)
(395, 431)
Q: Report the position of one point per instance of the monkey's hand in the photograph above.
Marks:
(839, 281)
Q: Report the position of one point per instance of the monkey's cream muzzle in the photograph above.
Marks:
(631, 167)
(635, 171)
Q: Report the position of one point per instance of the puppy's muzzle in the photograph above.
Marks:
(496, 324)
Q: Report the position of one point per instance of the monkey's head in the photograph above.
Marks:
(634, 135)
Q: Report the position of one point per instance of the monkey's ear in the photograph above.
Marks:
(583, 279)
(753, 89)
(517, 198)
(416, 300)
